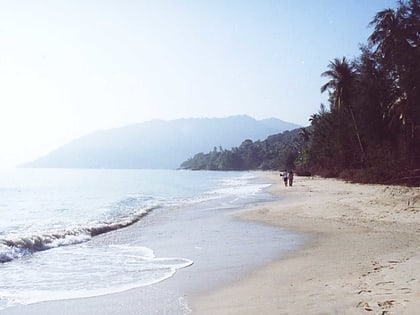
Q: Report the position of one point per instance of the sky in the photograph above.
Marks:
(72, 67)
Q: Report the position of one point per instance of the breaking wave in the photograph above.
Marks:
(13, 248)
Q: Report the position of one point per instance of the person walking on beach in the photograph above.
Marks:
(284, 177)
(291, 178)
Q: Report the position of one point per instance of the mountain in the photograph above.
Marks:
(158, 143)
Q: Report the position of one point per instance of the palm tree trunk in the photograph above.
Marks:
(356, 129)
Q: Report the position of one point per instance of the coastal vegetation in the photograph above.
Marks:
(370, 130)
(279, 149)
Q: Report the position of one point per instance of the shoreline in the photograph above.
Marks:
(222, 247)
(363, 257)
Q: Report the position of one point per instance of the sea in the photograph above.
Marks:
(49, 219)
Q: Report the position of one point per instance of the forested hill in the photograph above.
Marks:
(275, 152)
(158, 143)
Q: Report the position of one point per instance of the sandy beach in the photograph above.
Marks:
(358, 253)
(363, 257)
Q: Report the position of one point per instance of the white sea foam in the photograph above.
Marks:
(48, 217)
(84, 271)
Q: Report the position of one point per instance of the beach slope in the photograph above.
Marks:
(363, 256)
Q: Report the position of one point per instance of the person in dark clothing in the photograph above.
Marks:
(291, 175)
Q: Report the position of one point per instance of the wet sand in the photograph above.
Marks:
(364, 257)
(360, 256)
(223, 248)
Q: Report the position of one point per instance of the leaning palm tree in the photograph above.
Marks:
(342, 78)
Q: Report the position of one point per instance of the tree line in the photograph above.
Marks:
(275, 151)
(370, 130)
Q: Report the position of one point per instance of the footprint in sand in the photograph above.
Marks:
(365, 306)
(405, 290)
(384, 283)
(386, 304)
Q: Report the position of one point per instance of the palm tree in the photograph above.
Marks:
(341, 75)
(396, 40)
(388, 36)
(342, 78)
(396, 33)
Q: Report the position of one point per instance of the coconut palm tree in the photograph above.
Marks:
(388, 36)
(342, 78)
(396, 41)
(396, 33)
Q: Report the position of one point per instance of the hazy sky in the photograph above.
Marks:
(68, 68)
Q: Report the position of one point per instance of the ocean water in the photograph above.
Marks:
(49, 218)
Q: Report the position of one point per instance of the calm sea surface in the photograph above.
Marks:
(48, 217)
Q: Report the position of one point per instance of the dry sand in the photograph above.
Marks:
(363, 258)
